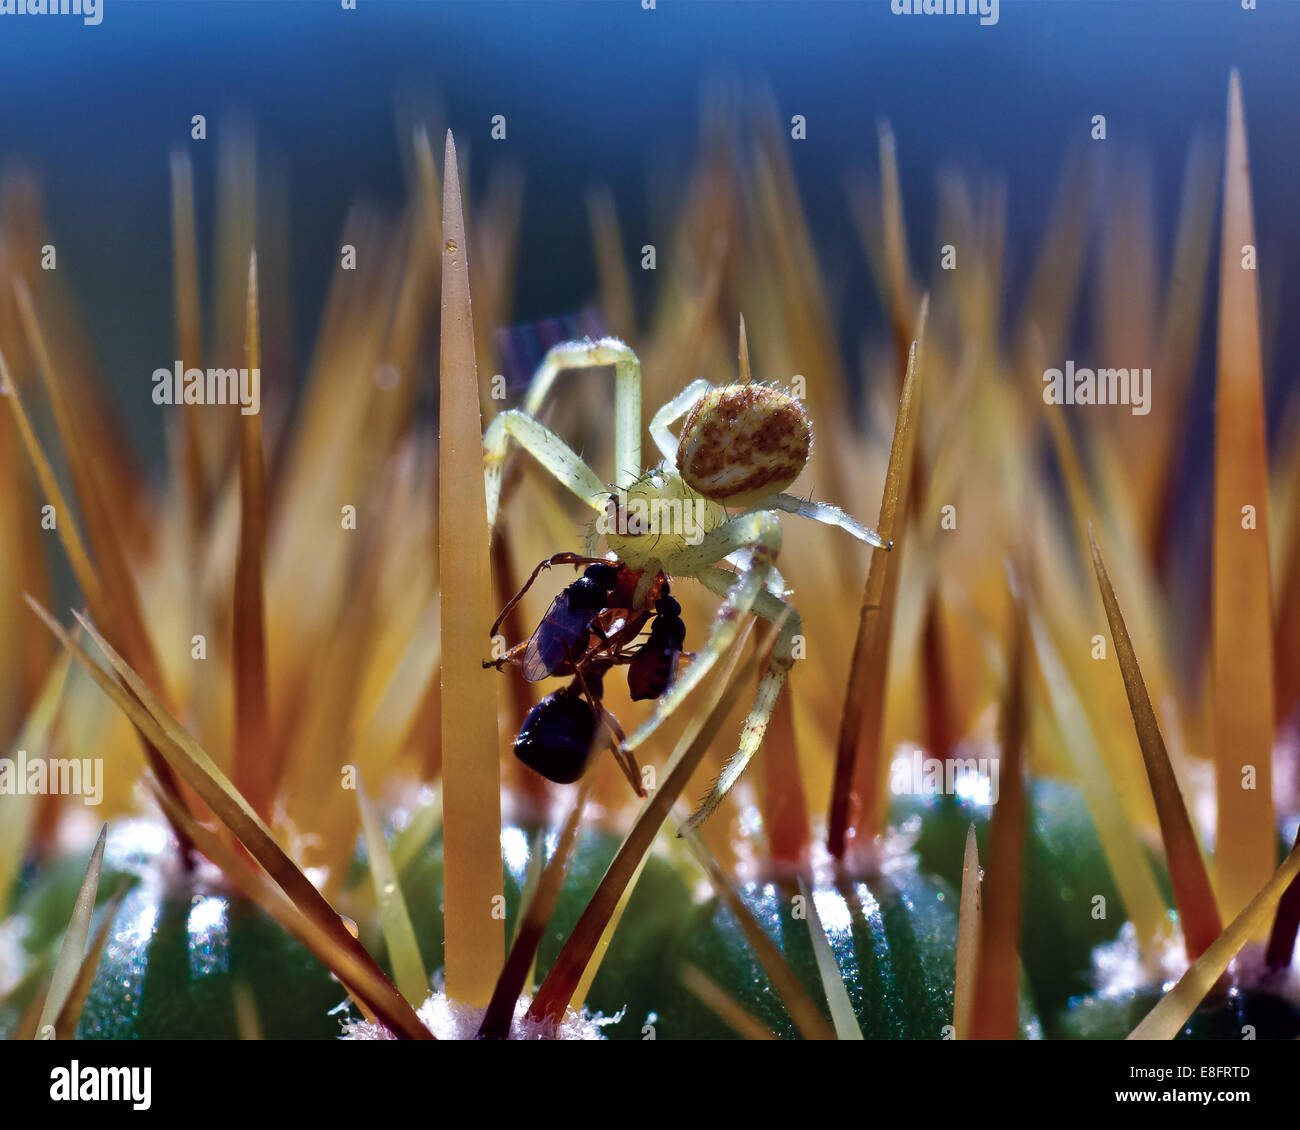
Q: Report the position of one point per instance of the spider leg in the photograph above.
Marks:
(761, 532)
(670, 413)
(775, 582)
(555, 456)
(823, 512)
(777, 611)
(627, 393)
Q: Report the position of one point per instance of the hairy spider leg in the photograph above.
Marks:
(825, 513)
(627, 393)
(777, 611)
(554, 455)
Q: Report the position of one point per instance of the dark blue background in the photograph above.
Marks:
(600, 90)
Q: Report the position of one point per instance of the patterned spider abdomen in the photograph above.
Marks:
(741, 443)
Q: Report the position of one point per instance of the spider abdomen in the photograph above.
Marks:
(741, 443)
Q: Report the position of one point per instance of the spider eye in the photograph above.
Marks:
(741, 443)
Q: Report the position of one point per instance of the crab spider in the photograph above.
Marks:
(721, 484)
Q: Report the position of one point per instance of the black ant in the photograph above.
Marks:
(557, 737)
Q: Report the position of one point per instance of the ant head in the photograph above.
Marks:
(668, 630)
(587, 595)
(606, 576)
(668, 607)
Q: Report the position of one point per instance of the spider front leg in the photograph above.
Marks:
(627, 393)
(550, 450)
(760, 533)
(777, 611)
(554, 455)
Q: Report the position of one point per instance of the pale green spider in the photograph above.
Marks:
(741, 445)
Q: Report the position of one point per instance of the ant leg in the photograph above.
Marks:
(777, 611)
(511, 656)
(612, 645)
(557, 559)
(670, 413)
(623, 756)
(759, 531)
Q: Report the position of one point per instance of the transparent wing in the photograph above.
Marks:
(561, 630)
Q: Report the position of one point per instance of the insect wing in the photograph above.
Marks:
(559, 632)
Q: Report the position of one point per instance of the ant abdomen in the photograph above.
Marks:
(556, 737)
